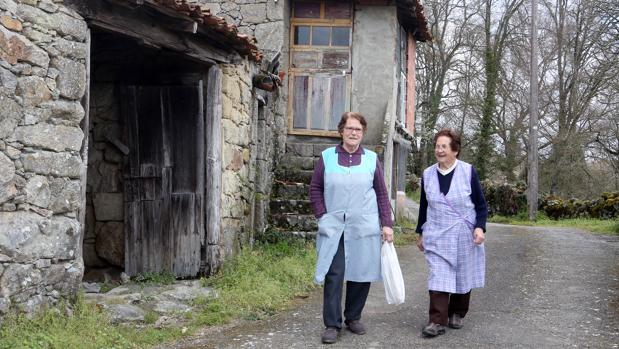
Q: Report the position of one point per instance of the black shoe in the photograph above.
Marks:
(433, 330)
(329, 336)
(455, 321)
(356, 327)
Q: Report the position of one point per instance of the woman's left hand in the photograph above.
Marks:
(478, 236)
(387, 234)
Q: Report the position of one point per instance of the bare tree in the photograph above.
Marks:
(449, 20)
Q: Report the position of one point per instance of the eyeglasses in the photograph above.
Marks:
(353, 129)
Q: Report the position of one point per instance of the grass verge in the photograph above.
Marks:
(258, 282)
(87, 328)
(604, 226)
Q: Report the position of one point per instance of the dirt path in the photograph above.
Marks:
(545, 288)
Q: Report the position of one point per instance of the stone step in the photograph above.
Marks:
(290, 190)
(298, 162)
(293, 222)
(278, 235)
(284, 206)
(294, 175)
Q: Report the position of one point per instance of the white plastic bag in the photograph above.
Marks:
(392, 274)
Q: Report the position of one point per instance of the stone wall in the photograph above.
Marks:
(246, 156)
(104, 241)
(263, 19)
(42, 79)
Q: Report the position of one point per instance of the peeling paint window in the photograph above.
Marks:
(320, 65)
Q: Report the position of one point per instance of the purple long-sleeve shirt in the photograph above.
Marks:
(346, 159)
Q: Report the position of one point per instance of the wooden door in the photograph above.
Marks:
(164, 178)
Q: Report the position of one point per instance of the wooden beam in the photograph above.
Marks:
(149, 29)
(213, 169)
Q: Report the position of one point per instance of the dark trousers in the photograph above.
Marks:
(444, 304)
(356, 293)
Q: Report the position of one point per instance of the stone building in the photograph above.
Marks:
(132, 133)
(130, 136)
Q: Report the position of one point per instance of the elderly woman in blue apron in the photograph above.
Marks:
(350, 200)
(451, 227)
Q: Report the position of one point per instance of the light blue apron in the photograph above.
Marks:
(455, 263)
(352, 210)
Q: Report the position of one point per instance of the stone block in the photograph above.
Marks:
(8, 81)
(7, 169)
(18, 48)
(18, 277)
(38, 192)
(110, 242)
(8, 5)
(91, 259)
(34, 115)
(254, 13)
(70, 49)
(300, 149)
(71, 80)
(33, 90)
(275, 10)
(50, 163)
(270, 36)
(57, 138)
(110, 178)
(48, 6)
(108, 206)
(59, 21)
(11, 23)
(71, 111)
(66, 195)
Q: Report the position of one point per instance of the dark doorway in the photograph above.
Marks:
(164, 178)
(146, 173)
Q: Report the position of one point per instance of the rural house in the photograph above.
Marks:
(147, 134)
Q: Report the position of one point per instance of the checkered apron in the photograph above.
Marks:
(455, 263)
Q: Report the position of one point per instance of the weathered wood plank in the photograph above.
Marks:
(148, 28)
(213, 168)
(319, 104)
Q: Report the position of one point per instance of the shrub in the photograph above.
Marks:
(504, 199)
(607, 207)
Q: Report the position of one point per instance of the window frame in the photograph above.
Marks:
(319, 50)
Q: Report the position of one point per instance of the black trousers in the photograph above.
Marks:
(356, 293)
(444, 304)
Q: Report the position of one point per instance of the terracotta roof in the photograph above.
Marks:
(244, 44)
(411, 15)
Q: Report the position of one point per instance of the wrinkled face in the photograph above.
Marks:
(442, 151)
(352, 133)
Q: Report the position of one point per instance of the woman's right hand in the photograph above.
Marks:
(420, 242)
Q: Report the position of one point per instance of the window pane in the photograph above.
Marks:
(305, 59)
(302, 35)
(307, 9)
(320, 36)
(341, 36)
(320, 91)
(299, 102)
(338, 100)
(337, 9)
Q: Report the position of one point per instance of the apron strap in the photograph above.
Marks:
(471, 225)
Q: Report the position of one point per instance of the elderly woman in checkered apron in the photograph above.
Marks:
(451, 227)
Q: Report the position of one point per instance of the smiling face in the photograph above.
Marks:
(443, 152)
(352, 134)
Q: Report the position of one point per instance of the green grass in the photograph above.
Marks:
(256, 283)
(414, 195)
(259, 283)
(604, 226)
(87, 328)
(404, 232)
(151, 278)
